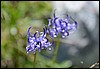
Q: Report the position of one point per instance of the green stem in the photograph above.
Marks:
(34, 62)
(56, 49)
(34, 57)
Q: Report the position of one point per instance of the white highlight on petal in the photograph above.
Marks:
(68, 27)
(35, 43)
(65, 34)
(64, 24)
(30, 50)
(54, 36)
(73, 24)
(38, 45)
(32, 46)
(54, 30)
(44, 40)
(26, 48)
(66, 20)
(58, 28)
(69, 24)
(46, 46)
(31, 40)
(63, 30)
(57, 20)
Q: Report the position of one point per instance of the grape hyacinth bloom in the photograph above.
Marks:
(61, 26)
(37, 43)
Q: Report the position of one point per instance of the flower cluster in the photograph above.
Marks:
(55, 26)
(37, 43)
(62, 26)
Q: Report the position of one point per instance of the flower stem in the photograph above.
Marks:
(56, 49)
(34, 62)
(34, 57)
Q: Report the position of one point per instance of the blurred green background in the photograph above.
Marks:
(16, 18)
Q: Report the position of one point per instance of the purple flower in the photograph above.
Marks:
(62, 26)
(37, 43)
(56, 26)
